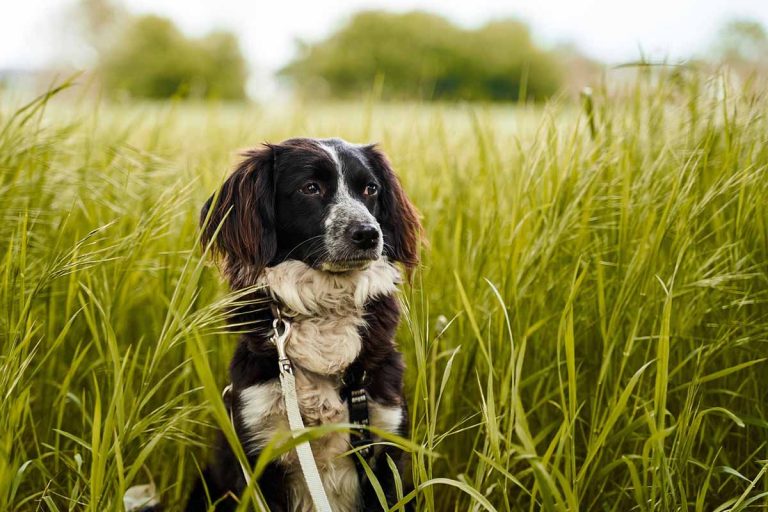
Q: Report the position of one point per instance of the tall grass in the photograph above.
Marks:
(588, 330)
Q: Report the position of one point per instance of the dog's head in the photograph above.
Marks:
(333, 205)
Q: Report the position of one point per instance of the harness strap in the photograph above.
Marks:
(357, 404)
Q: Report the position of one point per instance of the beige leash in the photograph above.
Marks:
(288, 383)
(296, 423)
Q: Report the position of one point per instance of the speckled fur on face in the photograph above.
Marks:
(344, 212)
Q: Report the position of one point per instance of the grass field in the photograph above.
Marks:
(588, 330)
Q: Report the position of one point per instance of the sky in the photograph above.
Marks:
(34, 33)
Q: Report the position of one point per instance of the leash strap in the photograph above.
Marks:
(288, 383)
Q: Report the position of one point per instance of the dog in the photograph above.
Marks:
(322, 228)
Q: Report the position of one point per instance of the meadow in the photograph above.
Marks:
(588, 329)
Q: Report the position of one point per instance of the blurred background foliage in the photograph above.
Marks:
(153, 59)
(149, 57)
(743, 45)
(401, 56)
(418, 55)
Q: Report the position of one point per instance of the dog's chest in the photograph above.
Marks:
(326, 314)
(320, 350)
(262, 409)
(263, 413)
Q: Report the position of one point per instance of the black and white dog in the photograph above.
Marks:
(320, 224)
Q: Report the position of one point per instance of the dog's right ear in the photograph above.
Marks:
(239, 220)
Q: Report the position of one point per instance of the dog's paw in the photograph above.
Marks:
(141, 498)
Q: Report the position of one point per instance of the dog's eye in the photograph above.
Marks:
(311, 189)
(371, 189)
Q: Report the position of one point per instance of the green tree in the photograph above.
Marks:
(742, 40)
(422, 55)
(224, 71)
(153, 59)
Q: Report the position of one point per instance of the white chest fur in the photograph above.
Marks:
(327, 313)
(327, 310)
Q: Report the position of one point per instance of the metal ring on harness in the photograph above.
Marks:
(280, 339)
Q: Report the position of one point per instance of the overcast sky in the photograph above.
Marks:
(32, 32)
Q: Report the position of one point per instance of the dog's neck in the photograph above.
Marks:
(326, 309)
(304, 291)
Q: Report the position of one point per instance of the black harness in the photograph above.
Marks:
(353, 391)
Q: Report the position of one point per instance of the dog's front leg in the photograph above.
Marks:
(220, 483)
(384, 472)
(272, 484)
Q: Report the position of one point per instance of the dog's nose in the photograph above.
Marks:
(365, 236)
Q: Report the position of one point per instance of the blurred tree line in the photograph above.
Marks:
(423, 55)
(415, 55)
(153, 59)
(742, 44)
(149, 57)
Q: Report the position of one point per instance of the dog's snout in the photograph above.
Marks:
(365, 236)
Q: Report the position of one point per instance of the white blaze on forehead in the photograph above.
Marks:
(334, 156)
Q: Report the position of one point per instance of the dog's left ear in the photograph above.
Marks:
(398, 217)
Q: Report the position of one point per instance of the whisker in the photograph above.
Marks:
(302, 243)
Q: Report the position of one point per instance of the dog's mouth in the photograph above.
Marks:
(337, 267)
